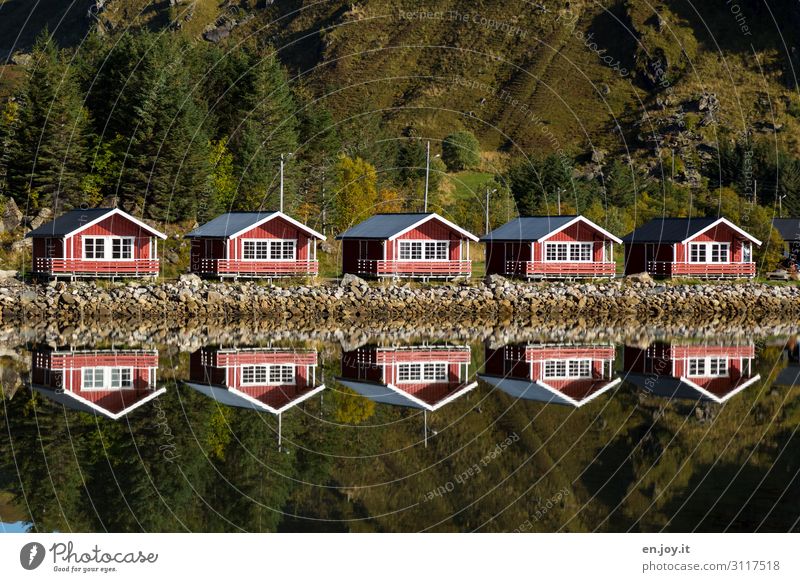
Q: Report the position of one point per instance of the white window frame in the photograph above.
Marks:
(269, 242)
(556, 373)
(287, 374)
(108, 246)
(106, 373)
(703, 367)
(568, 248)
(426, 372)
(708, 250)
(426, 247)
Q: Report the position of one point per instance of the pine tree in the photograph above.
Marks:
(48, 152)
(267, 128)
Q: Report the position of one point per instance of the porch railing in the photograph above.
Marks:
(135, 267)
(686, 269)
(561, 269)
(263, 268)
(415, 268)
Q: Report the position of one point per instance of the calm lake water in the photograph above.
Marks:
(434, 434)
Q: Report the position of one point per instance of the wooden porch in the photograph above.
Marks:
(702, 270)
(553, 269)
(423, 269)
(100, 268)
(241, 268)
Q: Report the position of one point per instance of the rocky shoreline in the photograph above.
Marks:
(354, 302)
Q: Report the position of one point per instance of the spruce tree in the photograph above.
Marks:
(48, 150)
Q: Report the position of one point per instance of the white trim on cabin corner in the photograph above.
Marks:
(124, 214)
(581, 218)
(579, 403)
(431, 216)
(287, 218)
(728, 223)
(114, 415)
(717, 399)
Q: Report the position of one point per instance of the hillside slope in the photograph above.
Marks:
(527, 77)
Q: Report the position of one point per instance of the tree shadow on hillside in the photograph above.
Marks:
(745, 25)
(740, 501)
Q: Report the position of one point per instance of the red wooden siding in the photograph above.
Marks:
(433, 229)
(112, 226)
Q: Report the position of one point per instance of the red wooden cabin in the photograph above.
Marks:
(254, 244)
(424, 377)
(562, 374)
(111, 383)
(266, 379)
(689, 371)
(690, 247)
(98, 242)
(537, 247)
(418, 245)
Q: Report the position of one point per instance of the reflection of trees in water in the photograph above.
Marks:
(628, 460)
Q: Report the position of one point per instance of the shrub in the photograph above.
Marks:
(460, 151)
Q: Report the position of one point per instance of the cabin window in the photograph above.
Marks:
(268, 374)
(707, 367)
(574, 252)
(268, 250)
(422, 372)
(709, 252)
(103, 378)
(94, 248)
(719, 253)
(568, 369)
(108, 247)
(121, 248)
(418, 250)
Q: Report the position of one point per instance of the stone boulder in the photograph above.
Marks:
(11, 217)
(640, 278)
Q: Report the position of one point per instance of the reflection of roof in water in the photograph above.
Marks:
(569, 392)
(112, 404)
(429, 396)
(274, 399)
(715, 389)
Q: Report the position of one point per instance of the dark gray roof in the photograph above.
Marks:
(669, 230)
(68, 222)
(788, 227)
(225, 225)
(527, 228)
(383, 226)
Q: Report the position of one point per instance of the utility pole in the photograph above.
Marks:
(281, 205)
(558, 193)
(488, 193)
(427, 171)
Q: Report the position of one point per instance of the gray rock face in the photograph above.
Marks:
(12, 216)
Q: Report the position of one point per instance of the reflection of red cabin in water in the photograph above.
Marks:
(426, 377)
(111, 383)
(695, 372)
(267, 379)
(96, 242)
(561, 374)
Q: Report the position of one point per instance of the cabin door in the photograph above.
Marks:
(363, 249)
(649, 257)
